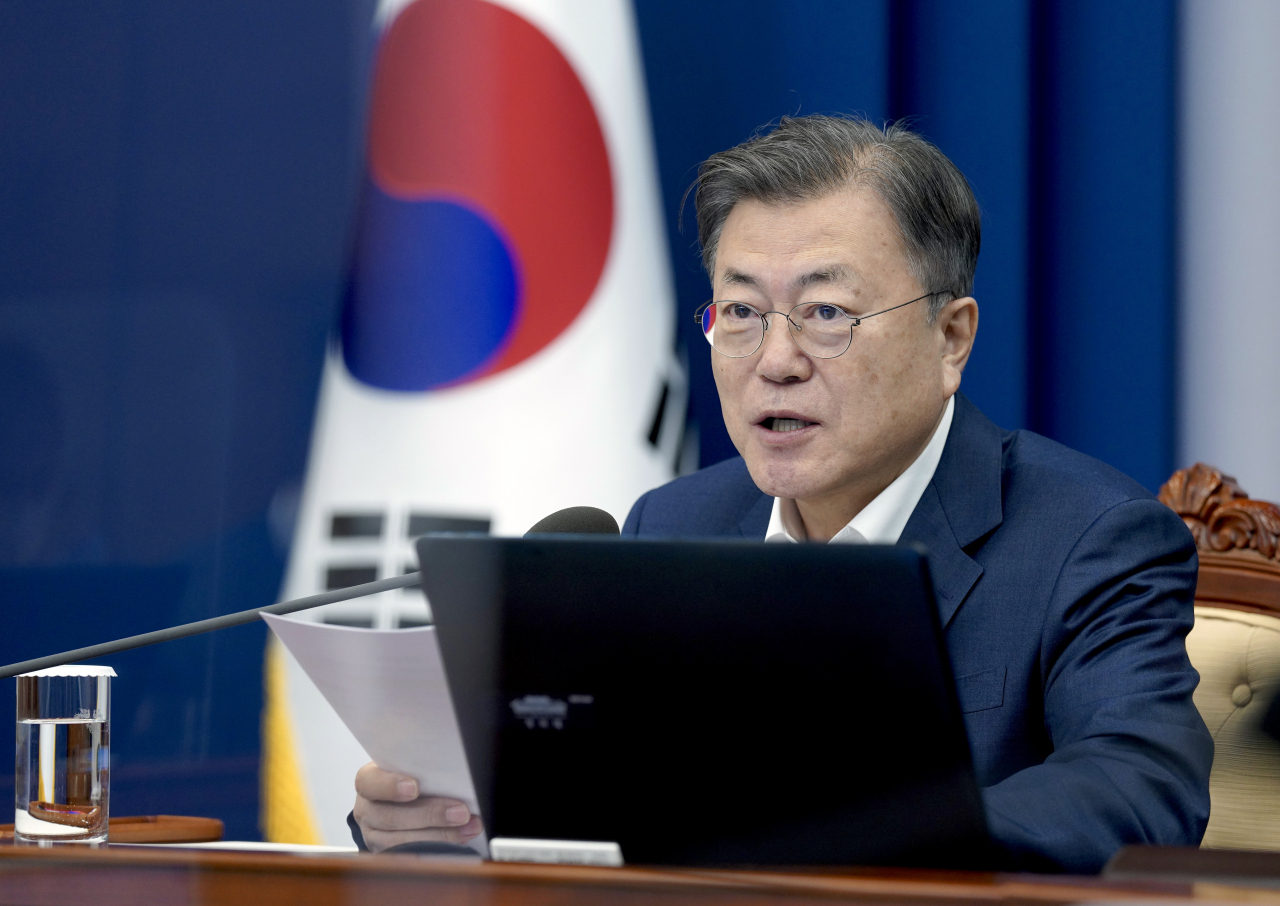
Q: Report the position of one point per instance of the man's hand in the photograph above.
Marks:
(390, 812)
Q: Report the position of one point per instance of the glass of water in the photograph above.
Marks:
(63, 776)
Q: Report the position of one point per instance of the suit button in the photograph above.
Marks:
(1241, 695)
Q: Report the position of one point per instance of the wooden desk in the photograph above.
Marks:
(64, 875)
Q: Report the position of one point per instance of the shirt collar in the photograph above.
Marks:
(883, 519)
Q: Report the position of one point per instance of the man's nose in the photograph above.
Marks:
(781, 359)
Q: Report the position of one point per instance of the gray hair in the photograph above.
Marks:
(810, 156)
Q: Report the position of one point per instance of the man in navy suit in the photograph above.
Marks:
(841, 257)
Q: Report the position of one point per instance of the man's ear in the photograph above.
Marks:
(957, 325)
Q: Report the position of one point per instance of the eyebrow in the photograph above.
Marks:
(827, 275)
(835, 274)
(738, 278)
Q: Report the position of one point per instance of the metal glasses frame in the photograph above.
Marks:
(855, 320)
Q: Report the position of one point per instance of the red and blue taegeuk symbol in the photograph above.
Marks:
(488, 208)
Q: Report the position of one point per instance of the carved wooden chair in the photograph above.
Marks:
(1235, 645)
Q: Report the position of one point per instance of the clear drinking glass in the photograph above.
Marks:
(63, 771)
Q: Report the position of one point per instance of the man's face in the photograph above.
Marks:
(867, 413)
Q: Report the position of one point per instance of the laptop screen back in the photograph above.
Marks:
(706, 702)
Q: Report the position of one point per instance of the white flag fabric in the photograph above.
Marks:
(506, 344)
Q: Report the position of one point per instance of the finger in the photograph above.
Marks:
(374, 783)
(378, 840)
(426, 812)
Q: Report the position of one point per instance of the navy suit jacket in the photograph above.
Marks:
(1065, 592)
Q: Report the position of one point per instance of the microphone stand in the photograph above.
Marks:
(408, 580)
(574, 520)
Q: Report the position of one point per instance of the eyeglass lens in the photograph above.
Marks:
(737, 330)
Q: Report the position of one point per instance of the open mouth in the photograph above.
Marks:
(785, 424)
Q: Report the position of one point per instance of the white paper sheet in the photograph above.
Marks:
(390, 690)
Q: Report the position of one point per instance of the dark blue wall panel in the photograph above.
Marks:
(1103, 212)
(175, 199)
(1061, 116)
(717, 71)
(974, 105)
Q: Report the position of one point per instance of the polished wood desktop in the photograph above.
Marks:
(152, 829)
(34, 876)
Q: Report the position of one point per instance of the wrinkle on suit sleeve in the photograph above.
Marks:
(1131, 755)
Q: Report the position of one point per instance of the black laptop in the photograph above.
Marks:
(707, 703)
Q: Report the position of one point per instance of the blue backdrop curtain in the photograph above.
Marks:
(176, 187)
(1061, 114)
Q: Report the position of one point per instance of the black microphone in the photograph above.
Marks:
(574, 520)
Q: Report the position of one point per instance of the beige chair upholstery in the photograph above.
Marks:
(1235, 645)
(1238, 656)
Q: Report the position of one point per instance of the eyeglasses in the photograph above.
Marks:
(821, 329)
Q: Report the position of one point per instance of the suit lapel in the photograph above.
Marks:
(953, 571)
(961, 505)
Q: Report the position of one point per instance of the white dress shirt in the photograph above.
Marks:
(883, 519)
